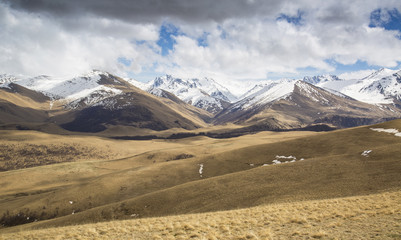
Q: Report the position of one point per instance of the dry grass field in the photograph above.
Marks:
(93, 171)
(376, 216)
(286, 184)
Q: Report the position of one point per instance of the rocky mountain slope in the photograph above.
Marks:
(204, 93)
(98, 100)
(381, 87)
(289, 104)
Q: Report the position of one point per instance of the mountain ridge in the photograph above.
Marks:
(269, 105)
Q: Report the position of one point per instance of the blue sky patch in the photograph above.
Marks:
(202, 41)
(385, 18)
(166, 37)
(124, 61)
(296, 20)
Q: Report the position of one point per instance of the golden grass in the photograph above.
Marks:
(95, 171)
(375, 216)
(161, 177)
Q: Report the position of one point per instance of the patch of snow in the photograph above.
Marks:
(390, 130)
(285, 157)
(201, 169)
(366, 153)
(275, 161)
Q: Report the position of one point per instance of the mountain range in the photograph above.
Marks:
(100, 102)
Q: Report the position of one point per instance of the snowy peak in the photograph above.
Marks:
(379, 74)
(388, 88)
(267, 92)
(6, 79)
(88, 88)
(204, 93)
(320, 79)
(380, 87)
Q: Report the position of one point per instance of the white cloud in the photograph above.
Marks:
(254, 47)
(33, 44)
(244, 39)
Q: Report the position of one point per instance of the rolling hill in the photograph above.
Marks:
(202, 175)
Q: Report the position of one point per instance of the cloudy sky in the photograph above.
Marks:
(224, 39)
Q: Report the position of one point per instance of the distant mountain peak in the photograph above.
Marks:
(321, 78)
(204, 93)
(6, 79)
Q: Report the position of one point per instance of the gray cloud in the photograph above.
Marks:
(151, 10)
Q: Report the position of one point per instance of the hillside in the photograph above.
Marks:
(201, 175)
(361, 217)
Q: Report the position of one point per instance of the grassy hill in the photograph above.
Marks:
(169, 177)
(375, 216)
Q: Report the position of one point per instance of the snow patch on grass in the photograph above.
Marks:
(389, 130)
(201, 169)
(283, 159)
(366, 153)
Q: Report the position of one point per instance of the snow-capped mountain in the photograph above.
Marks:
(6, 79)
(91, 102)
(321, 79)
(74, 89)
(203, 93)
(296, 103)
(265, 93)
(381, 87)
(104, 99)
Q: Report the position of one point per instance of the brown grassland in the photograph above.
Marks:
(202, 188)
(376, 216)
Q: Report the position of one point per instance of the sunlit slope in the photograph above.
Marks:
(92, 171)
(375, 216)
(332, 166)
